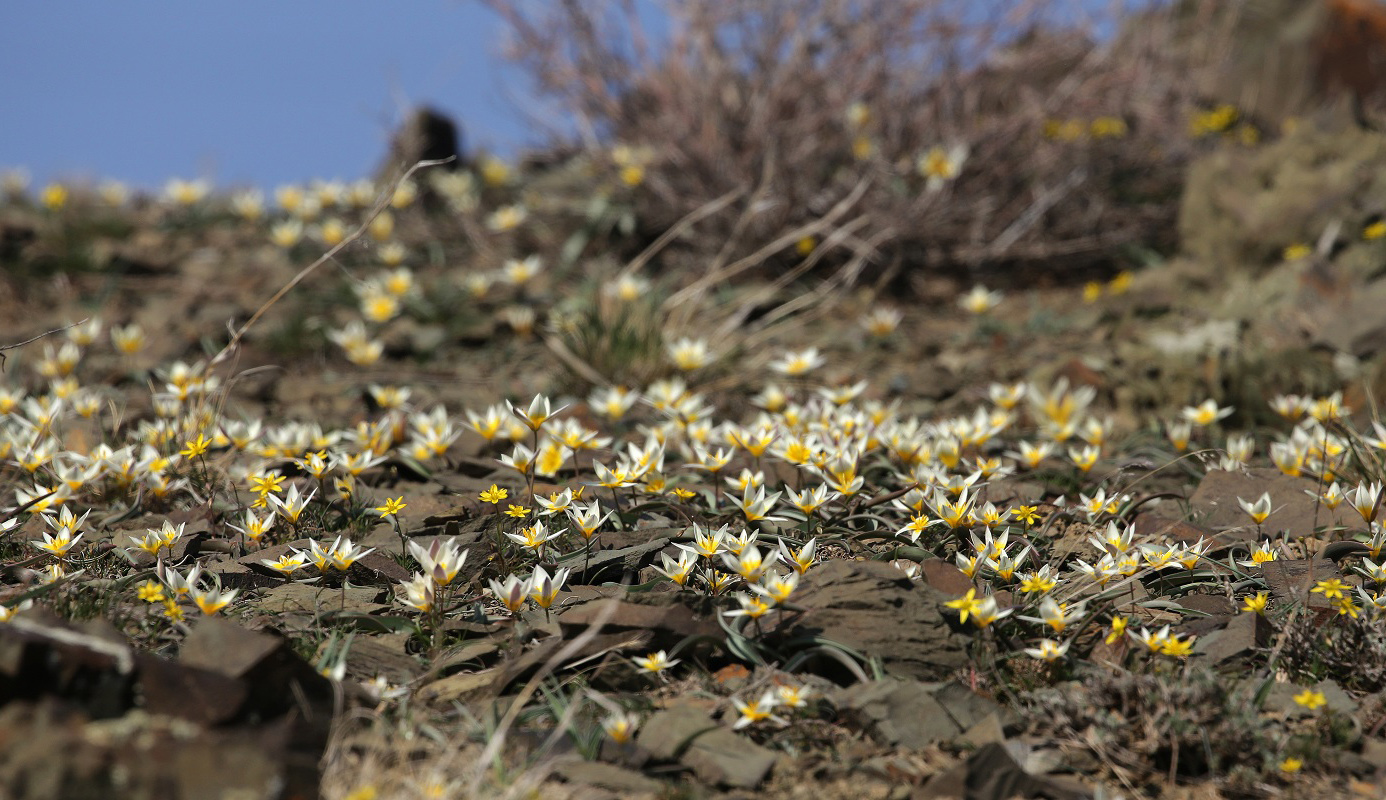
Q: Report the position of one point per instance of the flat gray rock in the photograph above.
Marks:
(875, 609)
(1214, 504)
(716, 754)
(618, 780)
(911, 714)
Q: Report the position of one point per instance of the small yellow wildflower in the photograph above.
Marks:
(267, 482)
(1040, 581)
(212, 601)
(506, 218)
(751, 713)
(404, 195)
(689, 354)
(1296, 251)
(858, 114)
(1216, 120)
(58, 546)
(655, 662)
(1064, 130)
(987, 612)
(751, 606)
(1374, 231)
(1311, 699)
(1256, 604)
(1291, 765)
(1262, 554)
(53, 197)
(286, 564)
(1026, 514)
(1117, 630)
(793, 696)
(979, 300)
(1092, 290)
(1084, 457)
(521, 319)
(1331, 589)
(1205, 413)
(172, 610)
(881, 322)
(392, 506)
(518, 512)
(620, 726)
(151, 592)
(494, 495)
(1258, 510)
(966, 605)
(1346, 606)
(7, 612)
(494, 171)
(533, 537)
(1175, 647)
(195, 447)
(1048, 650)
(941, 164)
(1108, 128)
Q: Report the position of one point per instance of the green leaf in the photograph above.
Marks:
(831, 652)
(573, 247)
(907, 553)
(413, 466)
(372, 623)
(740, 646)
(638, 587)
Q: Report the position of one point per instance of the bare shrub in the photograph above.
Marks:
(1182, 724)
(796, 102)
(1351, 651)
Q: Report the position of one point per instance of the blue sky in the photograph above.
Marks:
(250, 92)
